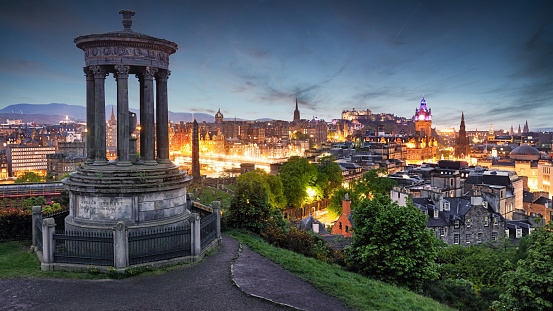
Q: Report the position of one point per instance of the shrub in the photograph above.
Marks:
(459, 294)
(16, 224)
(301, 242)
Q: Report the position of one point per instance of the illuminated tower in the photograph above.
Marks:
(423, 120)
(296, 112)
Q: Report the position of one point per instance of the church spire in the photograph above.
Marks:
(296, 112)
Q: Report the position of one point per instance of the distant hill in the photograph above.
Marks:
(74, 112)
(53, 113)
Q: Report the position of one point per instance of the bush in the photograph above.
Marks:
(16, 224)
(301, 242)
(459, 294)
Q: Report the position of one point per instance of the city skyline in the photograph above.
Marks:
(251, 59)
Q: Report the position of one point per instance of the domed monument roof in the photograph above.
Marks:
(126, 47)
(525, 152)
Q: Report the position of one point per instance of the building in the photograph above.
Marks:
(524, 160)
(545, 176)
(422, 146)
(462, 147)
(68, 157)
(219, 117)
(111, 137)
(297, 112)
(344, 223)
(464, 221)
(23, 159)
(356, 115)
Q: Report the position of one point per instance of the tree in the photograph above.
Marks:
(29, 177)
(372, 182)
(297, 175)
(271, 183)
(299, 135)
(391, 243)
(530, 285)
(249, 208)
(329, 175)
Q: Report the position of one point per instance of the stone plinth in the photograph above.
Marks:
(140, 196)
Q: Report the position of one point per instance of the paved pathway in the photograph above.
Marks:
(258, 276)
(205, 286)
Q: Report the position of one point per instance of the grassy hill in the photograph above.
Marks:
(354, 290)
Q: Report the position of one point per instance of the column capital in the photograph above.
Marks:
(162, 75)
(122, 71)
(98, 71)
(88, 73)
(149, 72)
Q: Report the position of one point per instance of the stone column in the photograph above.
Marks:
(37, 212)
(147, 151)
(48, 247)
(120, 246)
(162, 117)
(217, 210)
(141, 117)
(122, 77)
(195, 234)
(100, 114)
(90, 117)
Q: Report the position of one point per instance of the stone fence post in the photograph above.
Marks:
(120, 246)
(48, 246)
(217, 210)
(37, 212)
(195, 235)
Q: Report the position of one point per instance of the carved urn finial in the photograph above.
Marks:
(127, 19)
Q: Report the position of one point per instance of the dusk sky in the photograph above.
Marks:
(491, 59)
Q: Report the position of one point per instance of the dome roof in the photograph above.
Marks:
(525, 152)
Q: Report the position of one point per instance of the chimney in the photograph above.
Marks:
(346, 205)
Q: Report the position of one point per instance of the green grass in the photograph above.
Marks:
(356, 291)
(17, 261)
(231, 187)
(207, 197)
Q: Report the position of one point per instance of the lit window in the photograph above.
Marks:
(486, 221)
(468, 222)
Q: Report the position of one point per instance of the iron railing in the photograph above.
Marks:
(161, 244)
(88, 248)
(59, 217)
(208, 230)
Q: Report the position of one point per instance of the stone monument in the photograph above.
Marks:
(143, 192)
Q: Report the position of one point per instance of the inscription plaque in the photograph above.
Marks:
(104, 208)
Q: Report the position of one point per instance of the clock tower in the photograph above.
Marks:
(423, 120)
